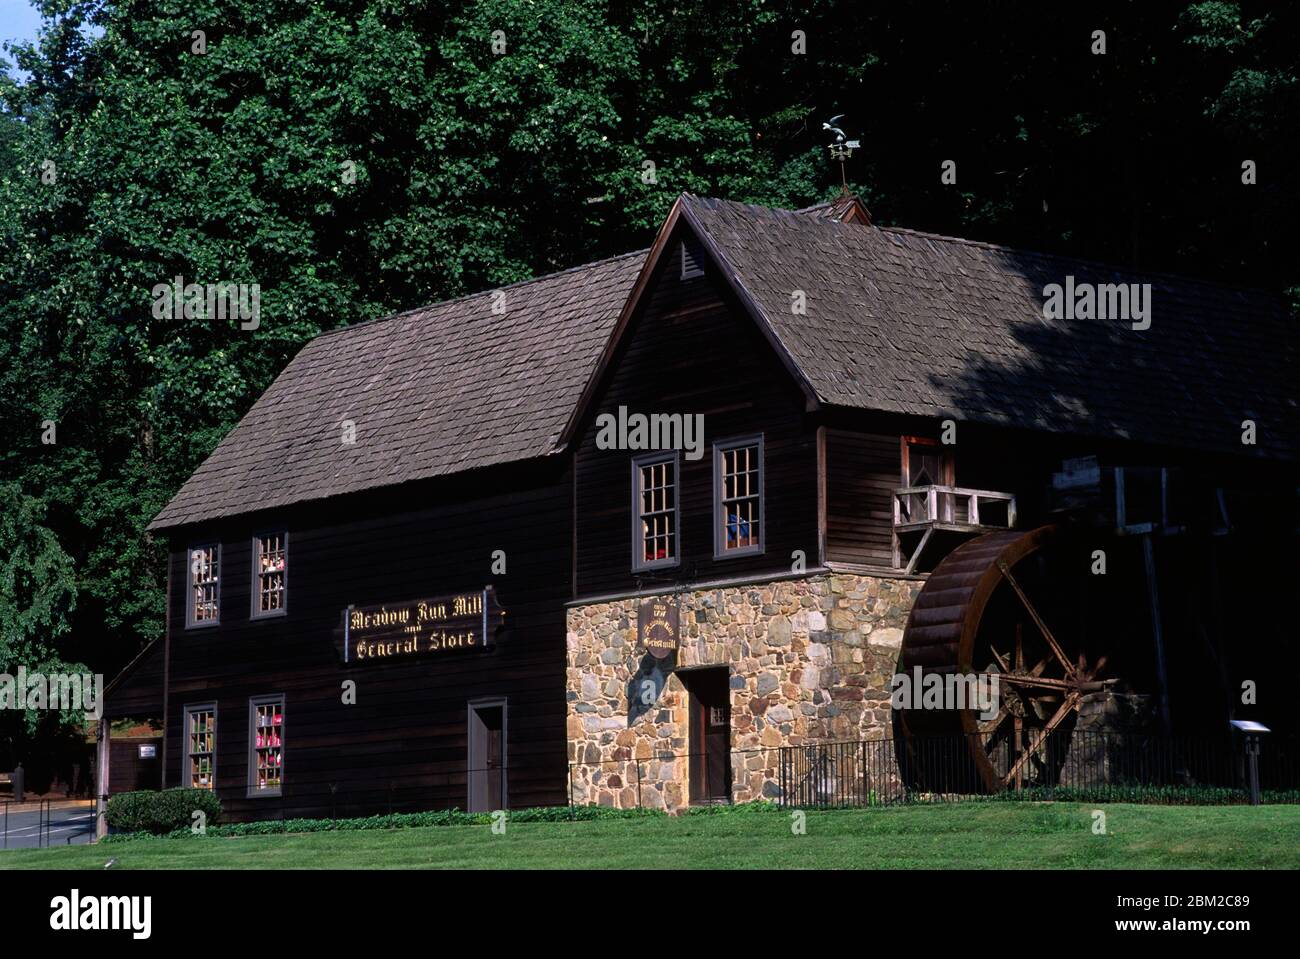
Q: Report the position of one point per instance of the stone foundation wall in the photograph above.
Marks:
(810, 660)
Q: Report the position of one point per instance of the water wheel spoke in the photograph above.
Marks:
(1015, 679)
(1070, 702)
(992, 725)
(1038, 620)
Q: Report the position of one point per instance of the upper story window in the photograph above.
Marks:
(270, 573)
(266, 745)
(655, 513)
(202, 608)
(738, 497)
(201, 745)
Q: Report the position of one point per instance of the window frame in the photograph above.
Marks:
(639, 562)
(267, 699)
(254, 604)
(947, 465)
(190, 621)
(188, 710)
(947, 461)
(720, 447)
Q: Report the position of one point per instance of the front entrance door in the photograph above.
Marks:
(710, 718)
(487, 756)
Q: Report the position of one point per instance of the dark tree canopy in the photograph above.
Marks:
(358, 157)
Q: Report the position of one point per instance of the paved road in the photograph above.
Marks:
(68, 822)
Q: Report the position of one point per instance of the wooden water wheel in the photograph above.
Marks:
(1011, 605)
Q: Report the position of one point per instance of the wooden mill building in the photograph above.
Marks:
(477, 555)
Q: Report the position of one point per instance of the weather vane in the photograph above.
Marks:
(842, 148)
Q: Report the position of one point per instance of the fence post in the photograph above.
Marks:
(1252, 757)
(19, 782)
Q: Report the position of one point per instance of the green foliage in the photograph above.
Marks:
(154, 812)
(1023, 836)
(364, 156)
(443, 817)
(1169, 795)
(38, 591)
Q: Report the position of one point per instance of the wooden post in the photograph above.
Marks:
(101, 780)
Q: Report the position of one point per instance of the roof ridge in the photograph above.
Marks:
(465, 297)
(780, 213)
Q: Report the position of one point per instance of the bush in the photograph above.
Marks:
(159, 813)
(135, 829)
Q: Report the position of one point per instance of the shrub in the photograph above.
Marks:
(135, 828)
(159, 813)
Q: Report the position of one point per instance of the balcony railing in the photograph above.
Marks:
(952, 507)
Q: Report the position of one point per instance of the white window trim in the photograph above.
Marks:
(266, 700)
(639, 562)
(186, 712)
(719, 524)
(255, 610)
(190, 622)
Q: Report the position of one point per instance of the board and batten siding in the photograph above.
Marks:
(692, 350)
(862, 471)
(403, 745)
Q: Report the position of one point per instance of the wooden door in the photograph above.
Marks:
(487, 756)
(710, 719)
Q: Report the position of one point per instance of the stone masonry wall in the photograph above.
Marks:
(810, 661)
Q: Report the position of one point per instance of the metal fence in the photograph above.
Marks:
(1092, 766)
(41, 823)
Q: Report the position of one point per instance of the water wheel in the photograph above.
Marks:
(1010, 609)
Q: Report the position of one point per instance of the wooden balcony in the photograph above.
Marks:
(946, 511)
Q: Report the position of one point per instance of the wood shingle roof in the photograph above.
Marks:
(430, 392)
(896, 321)
(915, 323)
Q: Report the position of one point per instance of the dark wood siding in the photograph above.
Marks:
(127, 771)
(403, 744)
(138, 691)
(862, 471)
(692, 350)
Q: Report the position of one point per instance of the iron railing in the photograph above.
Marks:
(41, 823)
(1091, 766)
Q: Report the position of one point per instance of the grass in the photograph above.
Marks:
(969, 835)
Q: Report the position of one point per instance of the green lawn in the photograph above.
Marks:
(970, 835)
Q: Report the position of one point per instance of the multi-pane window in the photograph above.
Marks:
(270, 571)
(205, 585)
(201, 745)
(266, 742)
(738, 496)
(654, 536)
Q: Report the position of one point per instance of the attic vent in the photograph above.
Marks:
(692, 260)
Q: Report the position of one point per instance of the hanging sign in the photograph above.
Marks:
(656, 623)
(421, 628)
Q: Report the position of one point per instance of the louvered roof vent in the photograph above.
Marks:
(692, 257)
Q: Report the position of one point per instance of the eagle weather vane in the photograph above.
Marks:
(842, 148)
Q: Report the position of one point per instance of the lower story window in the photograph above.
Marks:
(201, 748)
(266, 741)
